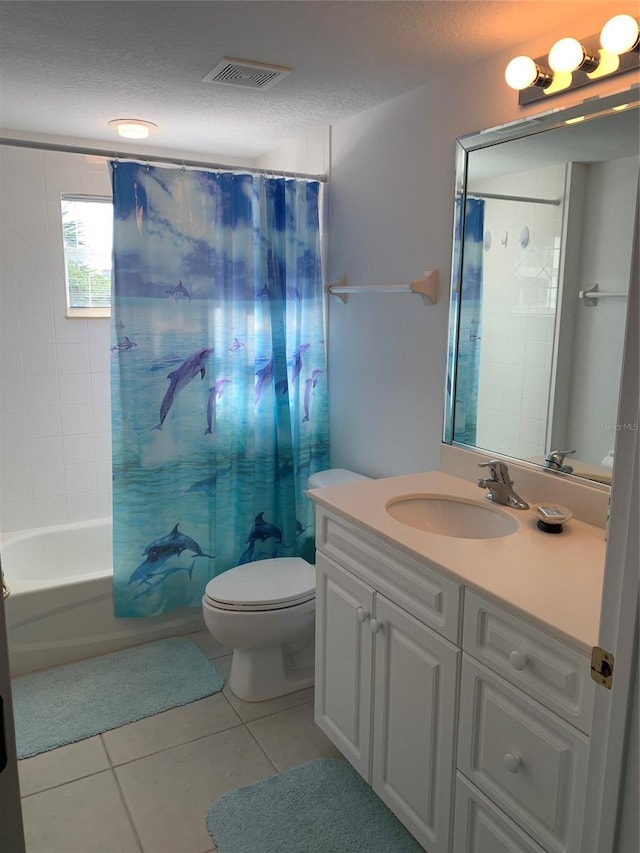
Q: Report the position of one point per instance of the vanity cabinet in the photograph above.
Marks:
(471, 723)
(386, 685)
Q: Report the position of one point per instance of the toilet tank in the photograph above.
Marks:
(333, 477)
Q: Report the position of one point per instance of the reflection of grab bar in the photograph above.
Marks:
(591, 295)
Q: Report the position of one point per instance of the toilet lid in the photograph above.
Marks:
(263, 585)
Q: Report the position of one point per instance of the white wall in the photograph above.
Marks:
(391, 213)
(55, 428)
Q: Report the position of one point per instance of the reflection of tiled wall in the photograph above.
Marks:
(55, 421)
(520, 286)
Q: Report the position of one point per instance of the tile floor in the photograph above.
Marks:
(146, 787)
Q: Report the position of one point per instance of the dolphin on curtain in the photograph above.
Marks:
(180, 378)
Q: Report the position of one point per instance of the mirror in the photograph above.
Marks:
(545, 218)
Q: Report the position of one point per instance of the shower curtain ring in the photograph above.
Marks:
(183, 169)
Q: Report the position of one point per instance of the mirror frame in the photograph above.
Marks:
(589, 109)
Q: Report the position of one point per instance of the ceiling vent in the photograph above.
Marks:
(246, 73)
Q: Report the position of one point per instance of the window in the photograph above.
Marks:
(87, 231)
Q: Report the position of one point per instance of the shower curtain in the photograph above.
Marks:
(219, 384)
(468, 247)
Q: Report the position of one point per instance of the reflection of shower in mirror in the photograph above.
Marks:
(539, 371)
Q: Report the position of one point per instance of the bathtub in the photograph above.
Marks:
(60, 606)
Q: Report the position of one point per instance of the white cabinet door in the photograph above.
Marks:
(415, 679)
(344, 647)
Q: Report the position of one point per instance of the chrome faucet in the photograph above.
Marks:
(554, 461)
(500, 485)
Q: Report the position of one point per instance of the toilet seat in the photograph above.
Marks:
(273, 584)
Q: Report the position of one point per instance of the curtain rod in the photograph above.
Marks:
(554, 201)
(144, 158)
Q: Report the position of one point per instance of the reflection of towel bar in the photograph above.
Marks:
(591, 295)
(427, 287)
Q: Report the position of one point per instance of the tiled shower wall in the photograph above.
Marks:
(55, 420)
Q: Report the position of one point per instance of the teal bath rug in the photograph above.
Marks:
(72, 702)
(320, 807)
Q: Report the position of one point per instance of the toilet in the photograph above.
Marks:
(265, 612)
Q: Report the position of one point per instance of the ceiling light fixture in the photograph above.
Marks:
(572, 63)
(132, 128)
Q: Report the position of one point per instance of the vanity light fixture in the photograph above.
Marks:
(132, 128)
(572, 63)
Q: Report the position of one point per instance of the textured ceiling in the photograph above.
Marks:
(67, 68)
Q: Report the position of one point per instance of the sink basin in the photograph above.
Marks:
(449, 516)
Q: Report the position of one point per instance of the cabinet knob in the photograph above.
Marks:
(362, 615)
(513, 763)
(375, 626)
(518, 660)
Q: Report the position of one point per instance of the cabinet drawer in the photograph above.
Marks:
(431, 597)
(547, 669)
(480, 826)
(525, 758)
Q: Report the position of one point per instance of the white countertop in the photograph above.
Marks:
(554, 580)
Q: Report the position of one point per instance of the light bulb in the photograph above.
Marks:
(620, 34)
(566, 55)
(523, 72)
(132, 128)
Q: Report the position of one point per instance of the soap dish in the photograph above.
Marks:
(551, 517)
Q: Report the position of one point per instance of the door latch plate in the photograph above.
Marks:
(602, 667)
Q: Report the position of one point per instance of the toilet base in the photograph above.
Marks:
(260, 674)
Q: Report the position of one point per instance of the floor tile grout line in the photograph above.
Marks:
(104, 746)
(271, 713)
(230, 704)
(178, 745)
(262, 749)
(123, 798)
(66, 782)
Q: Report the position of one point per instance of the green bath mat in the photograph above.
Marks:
(320, 807)
(68, 703)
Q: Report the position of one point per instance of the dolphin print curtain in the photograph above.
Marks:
(467, 261)
(219, 385)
